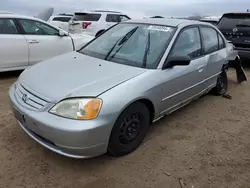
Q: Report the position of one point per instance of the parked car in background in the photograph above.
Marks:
(210, 19)
(61, 21)
(236, 28)
(25, 41)
(115, 86)
(95, 22)
(157, 17)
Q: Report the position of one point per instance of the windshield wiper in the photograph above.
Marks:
(242, 25)
(121, 41)
(144, 63)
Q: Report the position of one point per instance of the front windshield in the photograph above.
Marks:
(140, 45)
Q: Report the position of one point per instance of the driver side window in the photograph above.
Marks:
(32, 27)
(188, 43)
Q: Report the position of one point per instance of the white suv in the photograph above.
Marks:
(61, 21)
(95, 22)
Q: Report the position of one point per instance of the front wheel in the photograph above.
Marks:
(129, 130)
(221, 85)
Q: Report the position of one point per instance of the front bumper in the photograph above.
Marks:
(71, 138)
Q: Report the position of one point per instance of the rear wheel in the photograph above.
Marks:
(129, 130)
(221, 85)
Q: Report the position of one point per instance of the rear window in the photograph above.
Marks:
(86, 17)
(62, 19)
(234, 20)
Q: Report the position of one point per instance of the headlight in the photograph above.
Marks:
(82, 109)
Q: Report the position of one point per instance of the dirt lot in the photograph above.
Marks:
(206, 144)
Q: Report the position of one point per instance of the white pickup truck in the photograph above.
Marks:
(28, 40)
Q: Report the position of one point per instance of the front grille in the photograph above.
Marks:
(28, 98)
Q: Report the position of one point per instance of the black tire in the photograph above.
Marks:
(221, 85)
(129, 130)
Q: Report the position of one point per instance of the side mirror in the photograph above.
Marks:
(62, 33)
(177, 61)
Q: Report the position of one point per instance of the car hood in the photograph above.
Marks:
(73, 75)
(80, 40)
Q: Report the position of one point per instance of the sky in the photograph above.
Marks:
(134, 8)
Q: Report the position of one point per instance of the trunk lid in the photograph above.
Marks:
(82, 21)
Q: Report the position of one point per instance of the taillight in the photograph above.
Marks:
(85, 25)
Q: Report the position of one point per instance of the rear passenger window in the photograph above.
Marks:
(188, 43)
(87, 17)
(62, 19)
(113, 18)
(210, 39)
(7, 26)
(221, 42)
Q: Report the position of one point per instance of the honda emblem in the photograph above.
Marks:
(25, 97)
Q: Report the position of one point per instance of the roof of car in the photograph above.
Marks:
(16, 16)
(64, 16)
(20, 16)
(24, 17)
(166, 21)
(98, 12)
(107, 11)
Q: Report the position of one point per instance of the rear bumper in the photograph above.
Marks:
(244, 53)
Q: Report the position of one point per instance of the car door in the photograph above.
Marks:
(13, 46)
(215, 53)
(183, 83)
(44, 40)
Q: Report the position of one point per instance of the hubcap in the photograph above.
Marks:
(129, 129)
(221, 82)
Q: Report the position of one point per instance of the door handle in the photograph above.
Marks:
(33, 41)
(200, 68)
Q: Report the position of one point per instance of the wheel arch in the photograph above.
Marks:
(147, 102)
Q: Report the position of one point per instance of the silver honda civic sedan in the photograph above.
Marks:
(104, 97)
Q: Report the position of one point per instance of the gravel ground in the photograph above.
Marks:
(205, 144)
